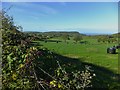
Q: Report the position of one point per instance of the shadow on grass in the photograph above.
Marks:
(104, 77)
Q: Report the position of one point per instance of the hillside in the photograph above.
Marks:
(57, 33)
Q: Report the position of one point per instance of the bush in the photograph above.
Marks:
(22, 64)
(72, 81)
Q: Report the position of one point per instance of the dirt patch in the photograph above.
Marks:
(72, 56)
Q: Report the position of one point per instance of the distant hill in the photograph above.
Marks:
(31, 32)
(57, 33)
(63, 32)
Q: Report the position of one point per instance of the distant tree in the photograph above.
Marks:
(99, 39)
(78, 38)
(113, 40)
(65, 37)
(107, 39)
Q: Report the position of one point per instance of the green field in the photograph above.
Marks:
(93, 52)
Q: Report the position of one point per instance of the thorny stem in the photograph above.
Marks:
(46, 73)
(35, 77)
(50, 76)
(60, 67)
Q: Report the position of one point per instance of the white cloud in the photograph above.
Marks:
(37, 10)
(43, 9)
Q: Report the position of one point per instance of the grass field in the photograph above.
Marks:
(93, 52)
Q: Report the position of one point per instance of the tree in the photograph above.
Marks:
(78, 38)
(65, 37)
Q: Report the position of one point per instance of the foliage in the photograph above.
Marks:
(78, 80)
(65, 37)
(107, 39)
(77, 38)
(15, 66)
(23, 65)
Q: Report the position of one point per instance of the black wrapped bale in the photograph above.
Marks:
(111, 50)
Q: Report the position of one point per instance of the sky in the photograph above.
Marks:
(84, 17)
(60, 0)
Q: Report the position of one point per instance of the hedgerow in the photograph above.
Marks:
(30, 67)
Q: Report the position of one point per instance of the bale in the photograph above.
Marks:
(108, 50)
(111, 50)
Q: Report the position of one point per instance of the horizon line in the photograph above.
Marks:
(72, 31)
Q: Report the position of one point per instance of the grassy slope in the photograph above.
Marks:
(94, 52)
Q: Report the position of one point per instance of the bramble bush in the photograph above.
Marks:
(78, 80)
(15, 49)
(27, 67)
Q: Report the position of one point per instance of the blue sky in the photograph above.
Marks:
(85, 17)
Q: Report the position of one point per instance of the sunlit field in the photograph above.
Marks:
(92, 52)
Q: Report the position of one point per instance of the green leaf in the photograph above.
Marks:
(66, 78)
